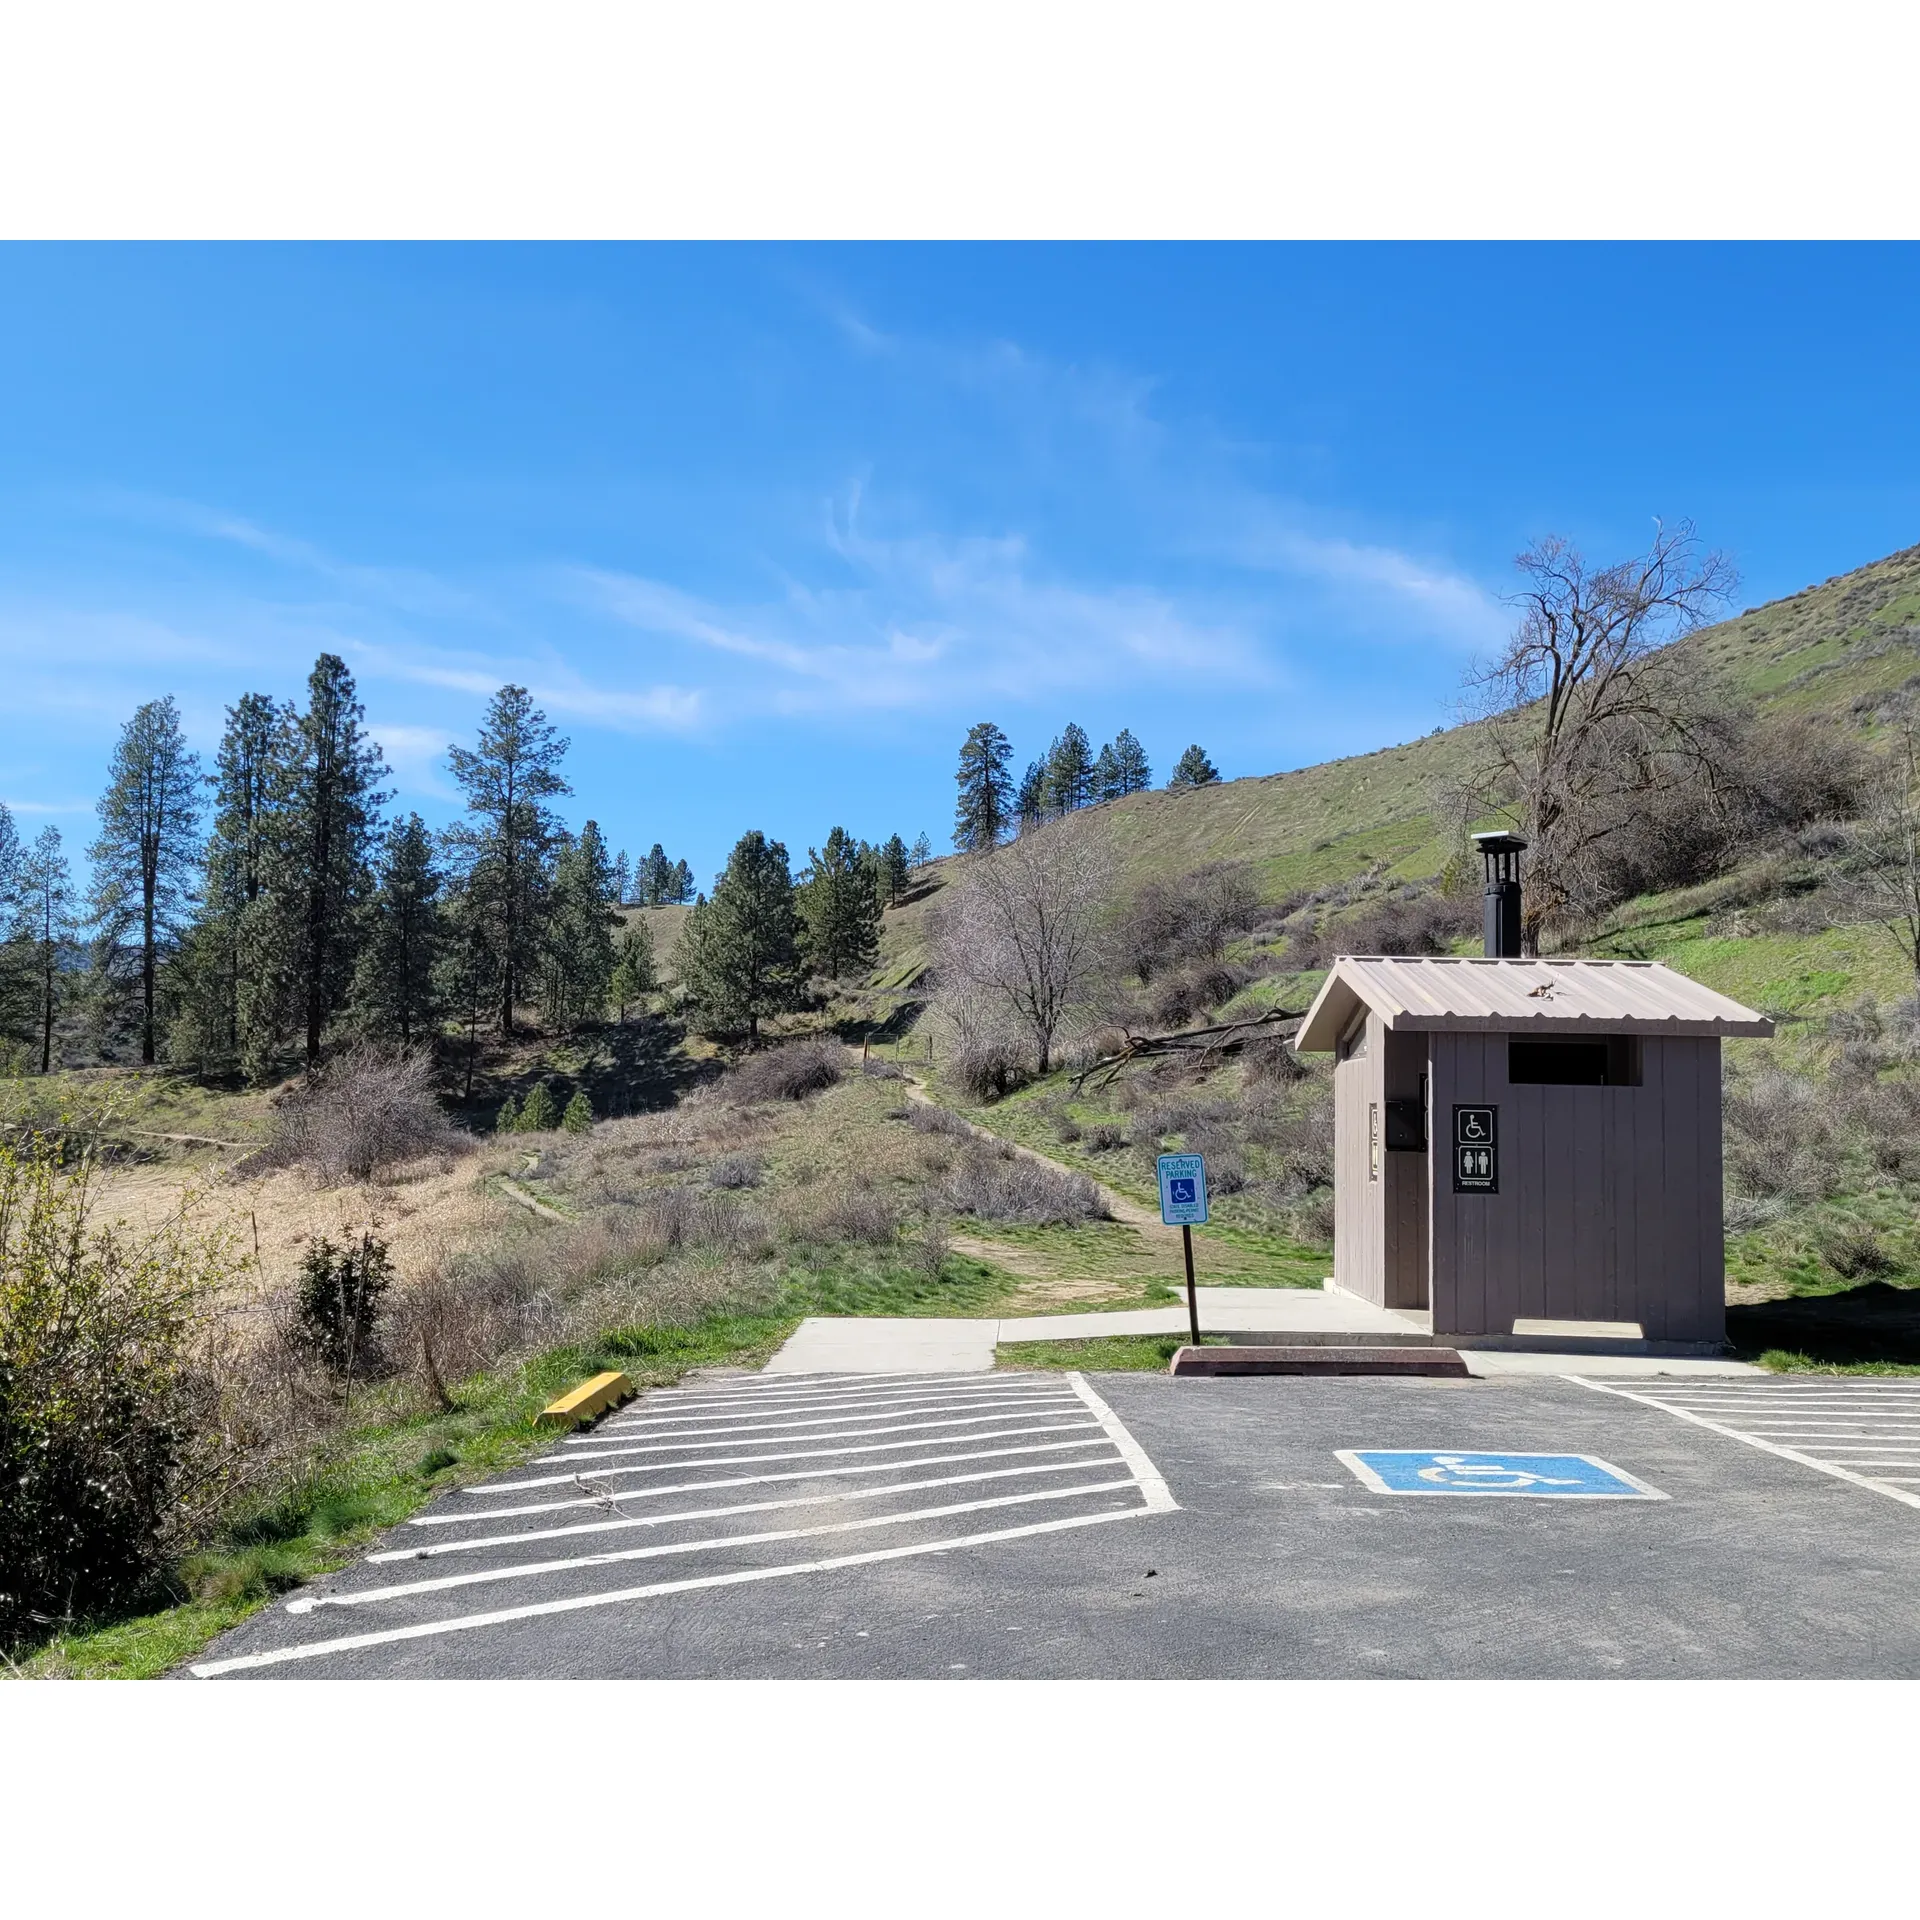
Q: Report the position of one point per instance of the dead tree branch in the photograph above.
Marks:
(1195, 1042)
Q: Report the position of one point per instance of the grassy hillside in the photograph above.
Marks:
(1842, 648)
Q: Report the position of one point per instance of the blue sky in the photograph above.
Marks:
(766, 528)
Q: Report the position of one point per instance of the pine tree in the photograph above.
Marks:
(634, 974)
(839, 905)
(893, 869)
(507, 1120)
(397, 989)
(577, 962)
(656, 878)
(682, 884)
(233, 929)
(1106, 774)
(738, 956)
(468, 980)
(1031, 800)
(148, 850)
(986, 793)
(507, 845)
(44, 925)
(622, 878)
(540, 1113)
(921, 851)
(16, 966)
(1070, 770)
(320, 873)
(1193, 770)
(578, 1117)
(1133, 775)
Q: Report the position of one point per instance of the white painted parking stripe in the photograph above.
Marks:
(744, 1480)
(965, 1386)
(723, 1541)
(683, 1444)
(762, 1459)
(721, 1513)
(467, 1623)
(1747, 1437)
(813, 1416)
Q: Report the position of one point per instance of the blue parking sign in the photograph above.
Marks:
(1183, 1190)
(1527, 1476)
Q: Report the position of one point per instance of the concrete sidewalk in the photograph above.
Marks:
(1295, 1315)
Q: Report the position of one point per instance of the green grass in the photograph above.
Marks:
(1114, 1353)
(1777, 1360)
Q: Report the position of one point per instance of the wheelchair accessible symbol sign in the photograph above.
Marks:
(1183, 1190)
(1529, 1476)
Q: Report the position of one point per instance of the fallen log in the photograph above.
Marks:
(1228, 1037)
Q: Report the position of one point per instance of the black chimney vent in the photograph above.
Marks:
(1502, 853)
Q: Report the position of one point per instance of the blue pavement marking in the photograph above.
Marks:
(1531, 1476)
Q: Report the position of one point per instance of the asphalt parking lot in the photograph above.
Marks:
(1132, 1525)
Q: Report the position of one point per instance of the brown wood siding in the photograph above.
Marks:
(1359, 1210)
(1609, 1200)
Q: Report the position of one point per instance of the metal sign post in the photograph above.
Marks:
(1183, 1204)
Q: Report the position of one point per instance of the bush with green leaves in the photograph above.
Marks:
(340, 1304)
(101, 1436)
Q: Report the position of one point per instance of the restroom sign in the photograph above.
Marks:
(1476, 1150)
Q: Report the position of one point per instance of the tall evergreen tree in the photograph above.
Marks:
(16, 967)
(1193, 769)
(468, 978)
(397, 990)
(738, 955)
(1132, 774)
(507, 781)
(634, 973)
(1070, 770)
(682, 884)
(237, 977)
(656, 878)
(577, 964)
(148, 851)
(893, 869)
(985, 808)
(1106, 774)
(44, 925)
(920, 852)
(320, 873)
(1030, 802)
(622, 878)
(839, 905)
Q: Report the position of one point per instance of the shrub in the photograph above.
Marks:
(1190, 918)
(854, 1214)
(989, 1068)
(1313, 1218)
(787, 1073)
(999, 1184)
(578, 1117)
(1103, 1136)
(1856, 1252)
(367, 1109)
(102, 1453)
(737, 1170)
(924, 1117)
(338, 1303)
(507, 1120)
(541, 1114)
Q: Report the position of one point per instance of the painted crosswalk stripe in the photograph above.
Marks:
(741, 1480)
(681, 1445)
(762, 1459)
(1854, 1436)
(628, 1522)
(718, 1543)
(1094, 1463)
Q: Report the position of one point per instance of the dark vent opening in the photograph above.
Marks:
(1613, 1062)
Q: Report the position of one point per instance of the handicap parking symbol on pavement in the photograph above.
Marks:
(1533, 1476)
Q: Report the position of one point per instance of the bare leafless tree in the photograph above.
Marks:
(1025, 936)
(1889, 885)
(1585, 707)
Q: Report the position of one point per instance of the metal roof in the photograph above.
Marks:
(1431, 995)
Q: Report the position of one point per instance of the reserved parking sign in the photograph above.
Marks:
(1183, 1190)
